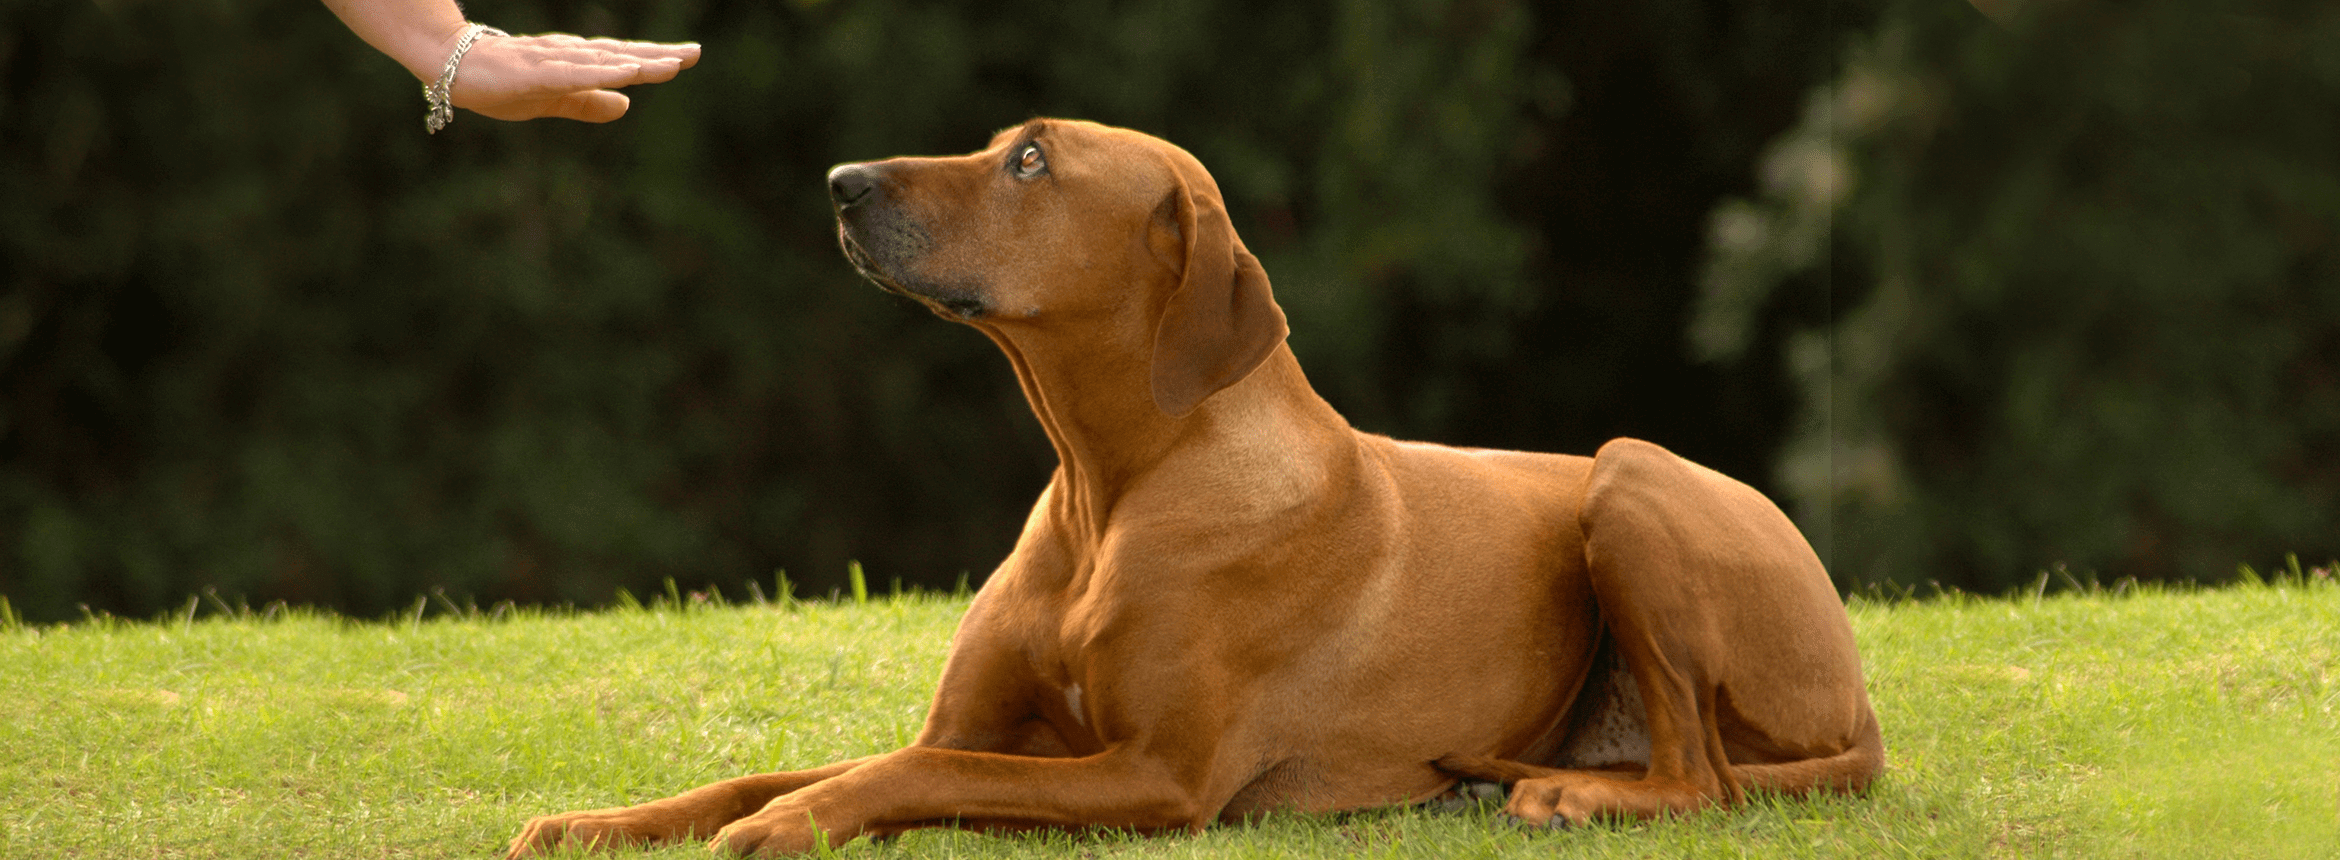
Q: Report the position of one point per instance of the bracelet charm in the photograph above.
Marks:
(440, 92)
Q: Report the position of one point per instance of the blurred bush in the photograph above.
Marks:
(2083, 292)
(261, 334)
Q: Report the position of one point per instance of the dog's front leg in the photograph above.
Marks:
(692, 814)
(930, 786)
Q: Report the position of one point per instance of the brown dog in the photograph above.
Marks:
(1227, 601)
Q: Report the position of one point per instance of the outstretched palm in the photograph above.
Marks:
(560, 75)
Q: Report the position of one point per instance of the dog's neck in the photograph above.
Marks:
(1099, 412)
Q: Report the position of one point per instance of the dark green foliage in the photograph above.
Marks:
(2086, 292)
(259, 333)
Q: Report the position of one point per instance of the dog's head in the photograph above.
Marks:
(1077, 228)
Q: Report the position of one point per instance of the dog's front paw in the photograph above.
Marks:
(592, 830)
(777, 831)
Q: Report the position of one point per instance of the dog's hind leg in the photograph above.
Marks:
(1741, 652)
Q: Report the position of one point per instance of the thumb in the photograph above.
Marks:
(590, 106)
(587, 106)
(593, 106)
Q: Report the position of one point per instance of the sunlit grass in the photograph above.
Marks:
(2151, 724)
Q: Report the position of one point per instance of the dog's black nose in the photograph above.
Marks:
(851, 183)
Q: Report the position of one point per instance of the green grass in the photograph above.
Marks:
(2154, 724)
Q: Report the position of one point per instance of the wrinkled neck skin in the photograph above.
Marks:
(1094, 397)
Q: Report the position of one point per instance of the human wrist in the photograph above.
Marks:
(426, 49)
(439, 92)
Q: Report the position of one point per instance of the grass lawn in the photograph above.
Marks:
(2155, 724)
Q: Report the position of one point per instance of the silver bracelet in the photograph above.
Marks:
(440, 92)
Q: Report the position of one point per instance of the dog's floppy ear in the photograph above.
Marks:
(1222, 321)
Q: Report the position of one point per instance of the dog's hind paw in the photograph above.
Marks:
(1468, 795)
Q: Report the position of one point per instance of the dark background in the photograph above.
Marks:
(1972, 300)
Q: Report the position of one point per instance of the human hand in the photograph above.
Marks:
(559, 75)
(514, 77)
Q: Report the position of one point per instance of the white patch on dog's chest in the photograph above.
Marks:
(1615, 730)
(1072, 699)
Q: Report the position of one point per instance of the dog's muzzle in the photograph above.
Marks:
(880, 241)
(875, 241)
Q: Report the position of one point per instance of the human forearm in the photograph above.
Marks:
(416, 33)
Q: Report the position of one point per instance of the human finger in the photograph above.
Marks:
(642, 72)
(556, 77)
(687, 53)
(543, 67)
(500, 75)
(577, 49)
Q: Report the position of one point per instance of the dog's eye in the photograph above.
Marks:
(1030, 162)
